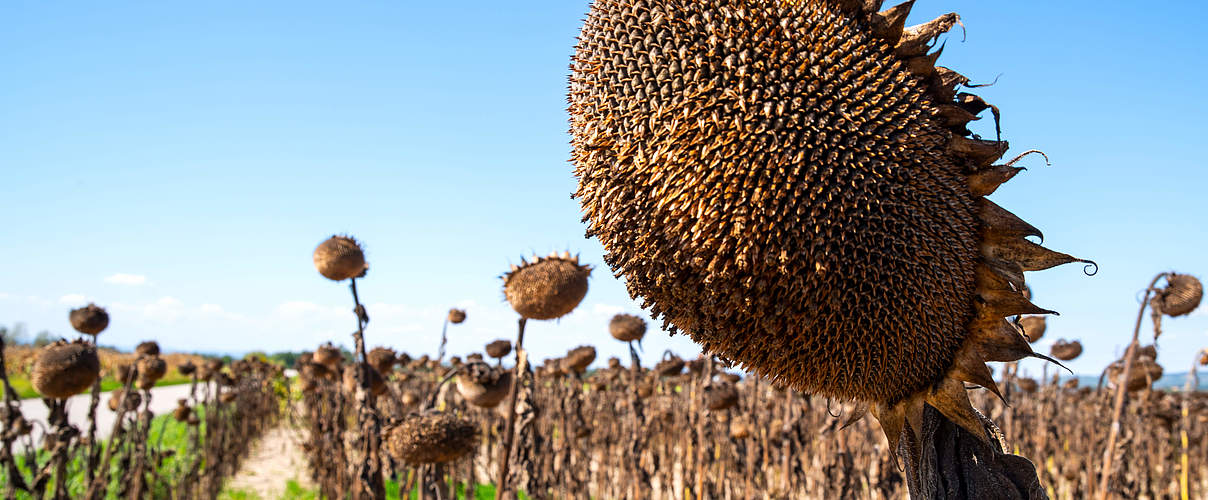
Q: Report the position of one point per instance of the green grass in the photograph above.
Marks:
(165, 432)
(25, 389)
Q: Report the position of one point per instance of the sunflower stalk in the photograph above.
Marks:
(1105, 471)
(369, 472)
(505, 451)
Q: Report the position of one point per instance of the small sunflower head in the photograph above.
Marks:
(90, 319)
(148, 348)
(483, 385)
(627, 327)
(339, 258)
(548, 287)
(1066, 350)
(1181, 296)
(1033, 327)
(578, 359)
(499, 348)
(456, 316)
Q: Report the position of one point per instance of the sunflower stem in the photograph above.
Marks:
(505, 452)
(1113, 433)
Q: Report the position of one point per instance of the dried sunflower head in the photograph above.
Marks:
(578, 359)
(1066, 350)
(627, 327)
(793, 185)
(456, 316)
(1181, 296)
(1033, 327)
(483, 385)
(548, 287)
(148, 348)
(339, 258)
(499, 348)
(90, 319)
(431, 438)
(64, 369)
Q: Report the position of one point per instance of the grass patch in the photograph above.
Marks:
(165, 433)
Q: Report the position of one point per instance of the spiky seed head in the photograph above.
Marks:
(627, 327)
(499, 348)
(579, 358)
(1066, 350)
(1027, 385)
(456, 316)
(90, 319)
(431, 438)
(547, 288)
(1033, 327)
(148, 348)
(732, 378)
(63, 369)
(483, 385)
(1181, 296)
(794, 186)
(339, 258)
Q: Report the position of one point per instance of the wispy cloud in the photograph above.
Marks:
(73, 299)
(126, 279)
(606, 310)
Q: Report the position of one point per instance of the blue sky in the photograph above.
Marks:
(178, 161)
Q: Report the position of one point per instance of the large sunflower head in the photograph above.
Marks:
(793, 185)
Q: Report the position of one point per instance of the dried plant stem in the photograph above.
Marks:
(444, 339)
(100, 485)
(1105, 472)
(93, 449)
(505, 451)
(369, 483)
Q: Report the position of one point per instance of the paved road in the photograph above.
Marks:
(163, 400)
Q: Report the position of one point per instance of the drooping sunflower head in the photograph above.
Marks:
(793, 185)
(90, 319)
(548, 287)
(627, 327)
(339, 258)
(64, 369)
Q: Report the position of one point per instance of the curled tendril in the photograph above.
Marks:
(1021, 156)
(1091, 268)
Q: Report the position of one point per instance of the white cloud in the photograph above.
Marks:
(126, 279)
(72, 299)
(606, 310)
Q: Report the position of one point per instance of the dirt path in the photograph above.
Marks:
(274, 461)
